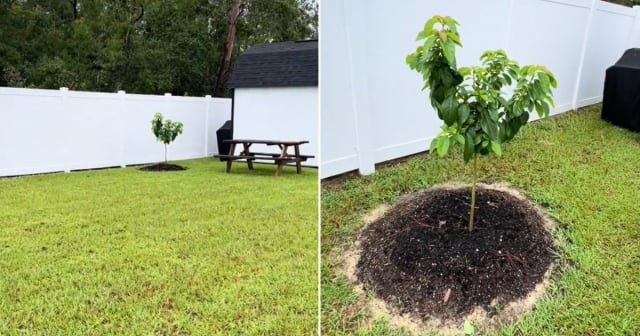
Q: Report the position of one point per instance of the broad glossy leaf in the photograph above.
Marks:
(429, 42)
(493, 113)
(552, 80)
(443, 145)
(430, 23)
(449, 110)
(539, 108)
(409, 59)
(463, 113)
(544, 82)
(458, 138)
(492, 129)
(454, 37)
(434, 145)
(469, 147)
(449, 51)
(449, 21)
(495, 148)
(545, 109)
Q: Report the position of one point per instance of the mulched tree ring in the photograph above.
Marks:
(420, 260)
(163, 167)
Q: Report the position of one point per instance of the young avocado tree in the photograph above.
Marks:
(477, 114)
(165, 131)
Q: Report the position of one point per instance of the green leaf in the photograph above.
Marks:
(430, 23)
(468, 328)
(463, 113)
(429, 42)
(495, 148)
(493, 113)
(454, 37)
(538, 108)
(458, 138)
(552, 80)
(443, 145)
(544, 82)
(449, 51)
(421, 35)
(448, 110)
(434, 145)
(409, 59)
(469, 147)
(545, 109)
(449, 21)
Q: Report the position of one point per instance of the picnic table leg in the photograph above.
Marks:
(298, 165)
(246, 152)
(283, 155)
(232, 150)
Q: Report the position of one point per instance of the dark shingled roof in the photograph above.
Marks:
(277, 65)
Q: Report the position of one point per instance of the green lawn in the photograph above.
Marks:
(583, 171)
(125, 252)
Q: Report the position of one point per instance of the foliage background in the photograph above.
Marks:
(140, 46)
(628, 3)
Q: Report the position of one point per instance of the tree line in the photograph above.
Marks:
(184, 47)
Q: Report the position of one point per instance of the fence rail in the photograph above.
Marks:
(45, 131)
(372, 109)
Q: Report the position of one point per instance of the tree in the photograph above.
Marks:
(476, 113)
(223, 72)
(140, 46)
(628, 3)
(166, 131)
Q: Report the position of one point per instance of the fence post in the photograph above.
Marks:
(207, 106)
(123, 126)
(583, 51)
(356, 35)
(64, 94)
(167, 97)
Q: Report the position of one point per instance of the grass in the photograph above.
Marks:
(125, 252)
(583, 171)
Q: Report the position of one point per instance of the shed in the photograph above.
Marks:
(275, 94)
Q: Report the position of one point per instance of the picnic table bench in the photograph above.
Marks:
(279, 158)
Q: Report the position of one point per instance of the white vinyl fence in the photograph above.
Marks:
(372, 108)
(60, 130)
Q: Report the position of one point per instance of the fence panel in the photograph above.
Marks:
(60, 130)
(372, 109)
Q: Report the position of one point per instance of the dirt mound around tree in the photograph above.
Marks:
(163, 167)
(428, 272)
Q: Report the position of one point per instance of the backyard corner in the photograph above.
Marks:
(581, 170)
(196, 252)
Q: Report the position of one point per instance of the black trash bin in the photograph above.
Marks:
(224, 133)
(621, 98)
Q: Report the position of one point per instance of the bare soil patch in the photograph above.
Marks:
(422, 263)
(163, 167)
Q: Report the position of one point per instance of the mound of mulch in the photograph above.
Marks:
(420, 259)
(163, 167)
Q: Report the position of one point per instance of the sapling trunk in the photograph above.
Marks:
(473, 193)
(165, 153)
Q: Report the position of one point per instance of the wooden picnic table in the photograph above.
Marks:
(280, 158)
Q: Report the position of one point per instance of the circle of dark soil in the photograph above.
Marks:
(163, 167)
(419, 250)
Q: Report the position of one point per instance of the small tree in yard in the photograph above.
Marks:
(476, 113)
(166, 131)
